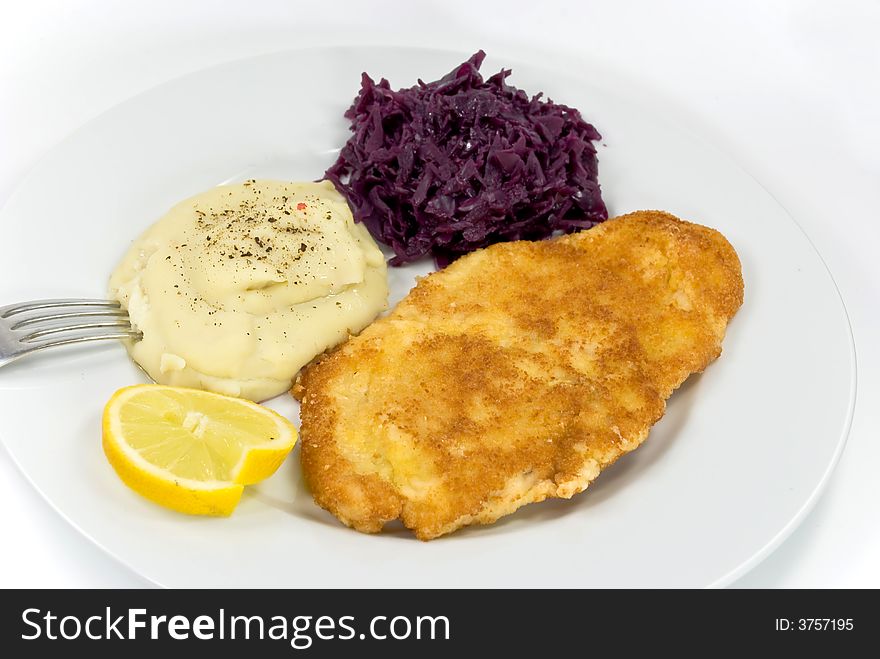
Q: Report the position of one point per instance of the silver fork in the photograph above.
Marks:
(29, 327)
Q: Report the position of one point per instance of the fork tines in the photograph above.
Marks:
(35, 305)
(58, 321)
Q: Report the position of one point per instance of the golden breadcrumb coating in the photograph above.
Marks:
(516, 374)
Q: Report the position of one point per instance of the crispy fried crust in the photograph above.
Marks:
(516, 374)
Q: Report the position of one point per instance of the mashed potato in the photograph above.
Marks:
(237, 288)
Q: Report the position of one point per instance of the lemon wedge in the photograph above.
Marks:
(191, 450)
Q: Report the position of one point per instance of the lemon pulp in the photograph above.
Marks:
(190, 450)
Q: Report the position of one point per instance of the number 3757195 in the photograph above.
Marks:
(814, 624)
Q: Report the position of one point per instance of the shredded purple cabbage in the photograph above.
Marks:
(447, 167)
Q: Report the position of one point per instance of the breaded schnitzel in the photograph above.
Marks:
(516, 374)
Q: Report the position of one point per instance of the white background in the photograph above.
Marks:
(790, 89)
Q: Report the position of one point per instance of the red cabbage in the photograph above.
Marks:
(447, 167)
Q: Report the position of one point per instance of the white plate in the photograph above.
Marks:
(739, 459)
